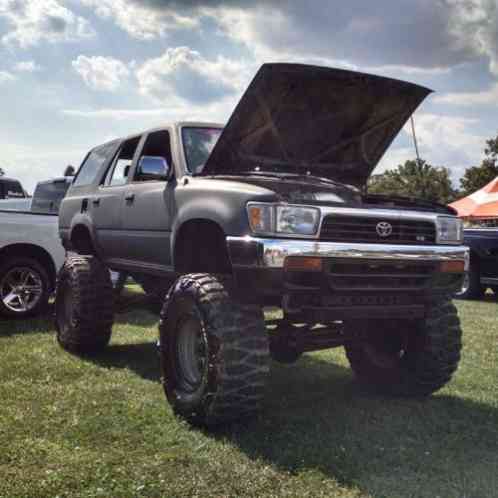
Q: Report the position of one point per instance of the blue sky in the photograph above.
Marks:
(76, 73)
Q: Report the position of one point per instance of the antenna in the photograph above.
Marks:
(415, 138)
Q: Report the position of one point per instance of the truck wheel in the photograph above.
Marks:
(214, 351)
(84, 305)
(409, 359)
(24, 288)
(471, 286)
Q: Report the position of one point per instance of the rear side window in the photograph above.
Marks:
(11, 190)
(48, 196)
(93, 163)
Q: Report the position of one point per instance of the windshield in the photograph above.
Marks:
(198, 142)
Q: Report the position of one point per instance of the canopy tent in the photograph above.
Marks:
(482, 204)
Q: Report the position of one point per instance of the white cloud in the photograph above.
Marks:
(140, 21)
(5, 77)
(486, 97)
(473, 25)
(117, 114)
(183, 75)
(27, 66)
(443, 141)
(101, 73)
(32, 21)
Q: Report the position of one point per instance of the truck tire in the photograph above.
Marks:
(416, 366)
(84, 305)
(214, 351)
(471, 288)
(25, 288)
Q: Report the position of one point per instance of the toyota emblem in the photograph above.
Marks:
(384, 229)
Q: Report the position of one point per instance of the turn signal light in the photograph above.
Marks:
(302, 263)
(452, 267)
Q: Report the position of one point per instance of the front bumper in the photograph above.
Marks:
(255, 252)
(356, 280)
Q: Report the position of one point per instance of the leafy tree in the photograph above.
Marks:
(417, 179)
(2, 172)
(477, 177)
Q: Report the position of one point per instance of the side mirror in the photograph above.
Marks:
(153, 168)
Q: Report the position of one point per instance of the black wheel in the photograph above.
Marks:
(409, 358)
(214, 351)
(471, 286)
(84, 305)
(24, 288)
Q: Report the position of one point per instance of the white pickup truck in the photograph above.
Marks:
(31, 252)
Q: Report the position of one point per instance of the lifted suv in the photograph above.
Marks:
(268, 211)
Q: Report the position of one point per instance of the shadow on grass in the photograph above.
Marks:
(141, 358)
(318, 420)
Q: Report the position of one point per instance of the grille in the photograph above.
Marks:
(340, 228)
(380, 275)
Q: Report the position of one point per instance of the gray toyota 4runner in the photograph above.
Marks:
(270, 210)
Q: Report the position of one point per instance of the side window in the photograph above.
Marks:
(13, 190)
(157, 149)
(120, 168)
(92, 164)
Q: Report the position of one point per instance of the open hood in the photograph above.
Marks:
(314, 120)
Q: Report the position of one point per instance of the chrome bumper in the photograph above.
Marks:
(271, 253)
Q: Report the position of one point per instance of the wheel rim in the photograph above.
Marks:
(388, 350)
(465, 285)
(191, 352)
(21, 289)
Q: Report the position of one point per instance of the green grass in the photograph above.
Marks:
(101, 427)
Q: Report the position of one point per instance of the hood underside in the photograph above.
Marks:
(326, 122)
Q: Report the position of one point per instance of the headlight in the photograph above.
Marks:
(449, 230)
(297, 220)
(291, 220)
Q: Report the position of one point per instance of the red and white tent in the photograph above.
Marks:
(482, 204)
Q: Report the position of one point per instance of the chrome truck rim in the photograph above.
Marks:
(21, 289)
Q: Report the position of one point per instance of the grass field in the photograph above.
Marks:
(100, 427)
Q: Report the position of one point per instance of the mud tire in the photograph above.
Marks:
(84, 305)
(431, 357)
(233, 379)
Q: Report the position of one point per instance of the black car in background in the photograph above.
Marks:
(483, 270)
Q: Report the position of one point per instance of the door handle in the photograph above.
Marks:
(129, 197)
(96, 201)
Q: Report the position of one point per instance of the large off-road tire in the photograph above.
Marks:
(25, 287)
(214, 351)
(471, 287)
(84, 305)
(409, 358)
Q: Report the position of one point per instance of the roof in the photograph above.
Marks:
(7, 179)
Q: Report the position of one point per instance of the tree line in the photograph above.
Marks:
(417, 178)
